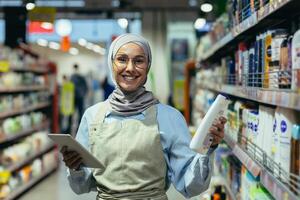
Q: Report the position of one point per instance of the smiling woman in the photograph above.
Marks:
(130, 67)
(142, 143)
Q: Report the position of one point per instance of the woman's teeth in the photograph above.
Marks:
(129, 77)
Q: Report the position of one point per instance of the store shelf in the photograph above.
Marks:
(24, 110)
(30, 158)
(37, 70)
(284, 98)
(8, 139)
(275, 187)
(269, 15)
(267, 179)
(19, 191)
(22, 89)
(241, 154)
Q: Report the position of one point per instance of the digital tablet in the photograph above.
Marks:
(67, 140)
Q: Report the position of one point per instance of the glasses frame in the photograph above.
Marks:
(132, 60)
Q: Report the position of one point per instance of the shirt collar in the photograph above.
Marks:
(109, 113)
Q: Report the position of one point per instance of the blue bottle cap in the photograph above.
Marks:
(296, 131)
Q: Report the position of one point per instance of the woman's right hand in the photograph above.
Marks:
(71, 158)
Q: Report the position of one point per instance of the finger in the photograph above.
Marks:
(222, 119)
(71, 156)
(75, 164)
(64, 149)
(215, 131)
(71, 160)
(219, 126)
(216, 141)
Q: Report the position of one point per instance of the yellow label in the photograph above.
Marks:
(268, 55)
(42, 14)
(67, 98)
(178, 94)
(4, 66)
(4, 177)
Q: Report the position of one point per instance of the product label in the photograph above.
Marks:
(283, 126)
(274, 125)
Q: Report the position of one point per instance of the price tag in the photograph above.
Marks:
(4, 66)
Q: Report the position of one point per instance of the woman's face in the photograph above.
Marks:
(130, 67)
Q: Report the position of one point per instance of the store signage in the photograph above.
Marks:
(42, 14)
(39, 27)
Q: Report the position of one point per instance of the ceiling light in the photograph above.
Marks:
(123, 23)
(30, 6)
(73, 51)
(206, 7)
(42, 42)
(63, 27)
(199, 23)
(82, 42)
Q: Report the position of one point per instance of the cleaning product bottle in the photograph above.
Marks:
(202, 140)
(287, 118)
(296, 61)
(295, 156)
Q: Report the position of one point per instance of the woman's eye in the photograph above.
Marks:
(122, 59)
(139, 61)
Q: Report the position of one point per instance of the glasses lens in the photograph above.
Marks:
(122, 61)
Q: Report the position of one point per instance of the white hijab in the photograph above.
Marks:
(135, 102)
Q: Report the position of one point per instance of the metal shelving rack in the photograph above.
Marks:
(250, 26)
(278, 185)
(49, 107)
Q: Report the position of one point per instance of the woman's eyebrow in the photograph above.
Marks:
(123, 54)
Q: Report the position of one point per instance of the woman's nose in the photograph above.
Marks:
(130, 65)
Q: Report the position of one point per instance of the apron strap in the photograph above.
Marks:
(102, 110)
(151, 115)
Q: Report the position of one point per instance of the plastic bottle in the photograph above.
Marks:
(296, 61)
(295, 155)
(202, 140)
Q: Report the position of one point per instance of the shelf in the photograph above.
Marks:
(22, 134)
(284, 98)
(271, 183)
(24, 110)
(29, 159)
(41, 70)
(263, 18)
(23, 89)
(275, 187)
(19, 191)
(241, 154)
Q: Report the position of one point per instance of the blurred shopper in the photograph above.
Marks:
(81, 90)
(67, 94)
(107, 88)
(142, 143)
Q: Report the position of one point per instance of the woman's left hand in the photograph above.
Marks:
(217, 130)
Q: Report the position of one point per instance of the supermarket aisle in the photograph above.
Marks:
(56, 187)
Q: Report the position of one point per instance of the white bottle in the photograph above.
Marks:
(202, 140)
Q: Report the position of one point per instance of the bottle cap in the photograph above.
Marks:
(296, 131)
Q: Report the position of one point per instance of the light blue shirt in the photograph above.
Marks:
(189, 172)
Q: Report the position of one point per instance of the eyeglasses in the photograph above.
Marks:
(121, 61)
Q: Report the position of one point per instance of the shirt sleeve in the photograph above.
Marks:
(82, 181)
(189, 171)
